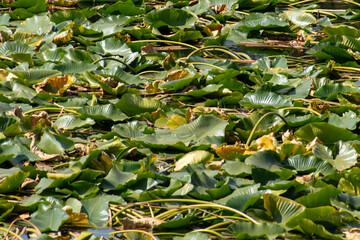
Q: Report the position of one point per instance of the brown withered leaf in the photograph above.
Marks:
(212, 30)
(30, 183)
(77, 220)
(63, 37)
(169, 61)
(154, 87)
(55, 85)
(35, 121)
(353, 234)
(320, 108)
(219, 9)
(131, 154)
(194, 2)
(305, 178)
(177, 74)
(215, 165)
(229, 152)
(189, 115)
(311, 144)
(266, 142)
(146, 223)
(82, 149)
(148, 49)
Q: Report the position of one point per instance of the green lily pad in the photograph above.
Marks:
(111, 46)
(198, 156)
(326, 132)
(54, 144)
(70, 122)
(265, 100)
(171, 17)
(204, 129)
(346, 157)
(36, 25)
(13, 182)
(132, 104)
(49, 219)
(102, 112)
(250, 230)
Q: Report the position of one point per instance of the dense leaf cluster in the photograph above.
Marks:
(179, 119)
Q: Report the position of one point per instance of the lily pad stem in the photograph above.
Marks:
(219, 225)
(301, 108)
(352, 2)
(204, 204)
(165, 41)
(222, 49)
(207, 64)
(258, 123)
(117, 60)
(211, 232)
(11, 232)
(52, 109)
(282, 118)
(347, 68)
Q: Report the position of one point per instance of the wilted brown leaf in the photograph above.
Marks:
(55, 85)
(146, 223)
(177, 74)
(63, 37)
(229, 152)
(305, 178)
(77, 220)
(148, 49)
(266, 142)
(353, 234)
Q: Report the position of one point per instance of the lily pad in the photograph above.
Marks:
(265, 100)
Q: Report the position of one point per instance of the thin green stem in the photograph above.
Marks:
(282, 118)
(10, 232)
(207, 64)
(347, 68)
(300, 2)
(301, 108)
(352, 2)
(169, 233)
(165, 41)
(221, 49)
(219, 225)
(52, 109)
(204, 204)
(148, 72)
(123, 210)
(60, 165)
(321, 12)
(170, 213)
(211, 232)
(258, 123)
